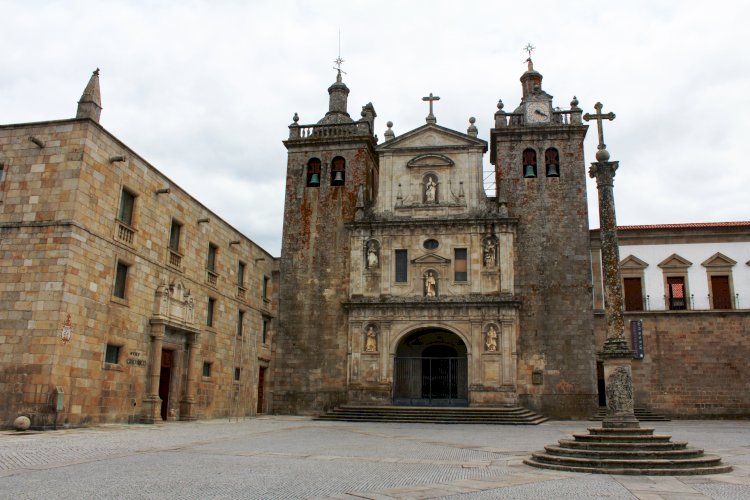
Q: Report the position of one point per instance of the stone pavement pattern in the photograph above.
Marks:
(293, 457)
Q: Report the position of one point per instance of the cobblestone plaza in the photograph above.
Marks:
(295, 457)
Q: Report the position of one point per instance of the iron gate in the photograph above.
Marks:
(430, 381)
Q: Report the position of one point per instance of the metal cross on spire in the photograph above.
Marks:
(431, 118)
(338, 60)
(529, 48)
(599, 116)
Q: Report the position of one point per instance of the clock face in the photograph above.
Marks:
(537, 112)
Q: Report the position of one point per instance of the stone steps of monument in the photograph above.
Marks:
(442, 415)
(626, 451)
(661, 446)
(672, 454)
(642, 414)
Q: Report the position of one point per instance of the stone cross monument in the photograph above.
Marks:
(616, 354)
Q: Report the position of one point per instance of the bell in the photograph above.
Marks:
(529, 172)
(338, 178)
(314, 180)
(553, 170)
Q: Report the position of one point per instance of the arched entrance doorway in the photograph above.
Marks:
(430, 369)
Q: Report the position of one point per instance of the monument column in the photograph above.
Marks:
(616, 354)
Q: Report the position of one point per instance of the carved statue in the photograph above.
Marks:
(489, 253)
(372, 340)
(372, 255)
(619, 389)
(430, 284)
(491, 341)
(430, 190)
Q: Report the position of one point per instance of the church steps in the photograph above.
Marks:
(672, 445)
(612, 463)
(624, 454)
(426, 414)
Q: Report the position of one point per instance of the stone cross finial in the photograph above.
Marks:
(529, 49)
(430, 98)
(599, 116)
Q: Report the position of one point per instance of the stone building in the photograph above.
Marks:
(402, 282)
(121, 296)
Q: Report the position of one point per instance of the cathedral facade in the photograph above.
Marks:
(402, 282)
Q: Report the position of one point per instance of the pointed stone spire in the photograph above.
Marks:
(90, 105)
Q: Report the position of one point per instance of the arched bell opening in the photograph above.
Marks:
(431, 369)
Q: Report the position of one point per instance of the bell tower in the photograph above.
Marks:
(331, 173)
(540, 174)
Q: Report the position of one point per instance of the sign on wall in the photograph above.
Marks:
(636, 337)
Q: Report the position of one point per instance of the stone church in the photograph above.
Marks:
(402, 282)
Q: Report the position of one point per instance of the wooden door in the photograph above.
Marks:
(722, 298)
(633, 294)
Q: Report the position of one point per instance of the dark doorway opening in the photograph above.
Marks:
(430, 369)
(261, 387)
(600, 384)
(165, 379)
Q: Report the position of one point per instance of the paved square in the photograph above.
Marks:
(295, 457)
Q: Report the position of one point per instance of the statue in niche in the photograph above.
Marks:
(491, 341)
(371, 345)
(372, 255)
(430, 284)
(430, 191)
(490, 253)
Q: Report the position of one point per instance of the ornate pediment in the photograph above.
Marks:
(674, 261)
(432, 136)
(430, 161)
(632, 262)
(718, 260)
(431, 258)
(174, 304)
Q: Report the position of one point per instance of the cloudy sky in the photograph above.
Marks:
(205, 90)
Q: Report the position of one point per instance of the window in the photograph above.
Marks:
(264, 291)
(210, 311)
(240, 322)
(127, 201)
(313, 172)
(401, 266)
(529, 163)
(241, 274)
(338, 171)
(633, 294)
(211, 260)
(552, 162)
(112, 354)
(174, 236)
(459, 265)
(676, 293)
(430, 244)
(265, 330)
(236, 374)
(720, 292)
(121, 278)
(206, 369)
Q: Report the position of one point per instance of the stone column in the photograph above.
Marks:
(187, 410)
(152, 402)
(616, 355)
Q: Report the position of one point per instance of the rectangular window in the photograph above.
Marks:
(236, 374)
(676, 290)
(210, 312)
(241, 274)
(206, 369)
(459, 265)
(127, 201)
(174, 236)
(633, 294)
(265, 331)
(401, 266)
(264, 291)
(722, 297)
(240, 322)
(121, 278)
(211, 260)
(112, 355)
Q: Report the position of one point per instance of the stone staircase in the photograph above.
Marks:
(626, 451)
(511, 415)
(642, 414)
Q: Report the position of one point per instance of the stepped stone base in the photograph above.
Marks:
(511, 415)
(626, 451)
(642, 414)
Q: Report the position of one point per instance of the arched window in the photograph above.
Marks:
(338, 171)
(552, 162)
(313, 172)
(529, 163)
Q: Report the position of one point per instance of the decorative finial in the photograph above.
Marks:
(295, 118)
(602, 154)
(574, 102)
(500, 104)
(96, 71)
(431, 118)
(529, 49)
(472, 130)
(389, 134)
(338, 61)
